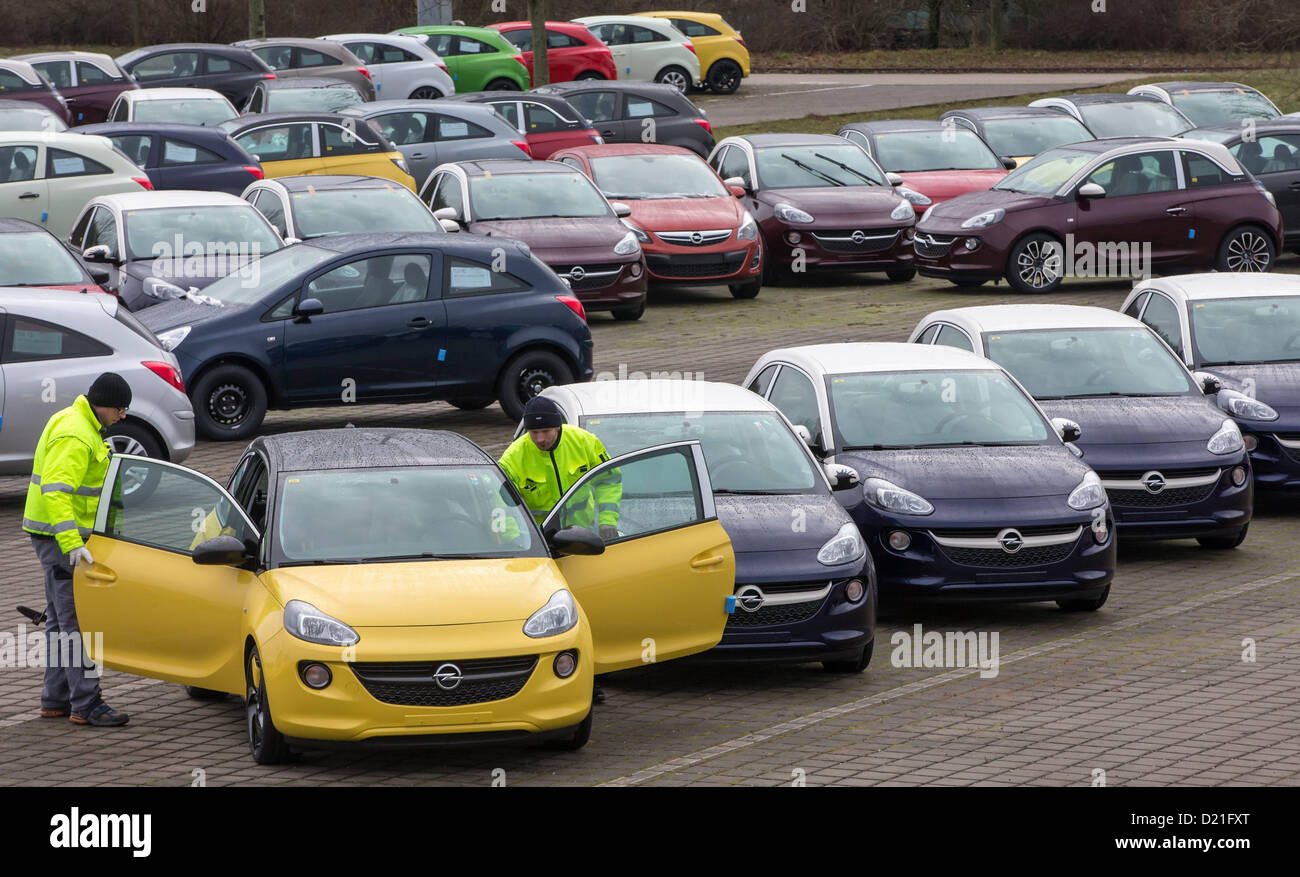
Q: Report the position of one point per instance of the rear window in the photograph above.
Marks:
(126, 318)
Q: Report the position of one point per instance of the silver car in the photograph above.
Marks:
(56, 343)
(402, 67)
(292, 57)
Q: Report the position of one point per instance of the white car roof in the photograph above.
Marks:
(61, 139)
(879, 356)
(1210, 285)
(171, 198)
(1009, 318)
(38, 298)
(659, 25)
(143, 94)
(653, 396)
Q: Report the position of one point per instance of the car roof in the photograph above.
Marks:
(1259, 126)
(67, 55)
(470, 108)
(1003, 112)
(303, 182)
(22, 68)
(598, 150)
(306, 42)
(1215, 284)
(633, 85)
(306, 82)
(622, 19)
(13, 104)
(38, 297)
(171, 94)
(1009, 318)
(69, 139)
(1105, 144)
(892, 125)
(154, 199)
(10, 225)
(1196, 85)
(367, 447)
(108, 129)
(879, 356)
(514, 166)
(762, 140)
(1102, 98)
(259, 119)
(656, 396)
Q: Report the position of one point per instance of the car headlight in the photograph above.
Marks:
(914, 197)
(1088, 495)
(628, 246)
(558, 615)
(1227, 440)
(748, 228)
(844, 547)
(640, 233)
(163, 289)
(790, 213)
(929, 210)
(892, 498)
(401, 163)
(903, 212)
(306, 622)
(172, 338)
(986, 219)
(1241, 405)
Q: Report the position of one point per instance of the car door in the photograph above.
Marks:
(413, 133)
(1274, 159)
(100, 229)
(59, 73)
(546, 132)
(186, 165)
(161, 614)
(270, 205)
(230, 76)
(1145, 203)
(168, 69)
(283, 150)
(604, 110)
(22, 194)
(95, 92)
(1162, 315)
(663, 588)
(616, 37)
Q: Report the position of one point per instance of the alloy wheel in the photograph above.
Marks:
(1248, 251)
(1039, 264)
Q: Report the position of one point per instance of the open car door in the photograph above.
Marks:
(663, 587)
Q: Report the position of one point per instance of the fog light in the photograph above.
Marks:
(1100, 533)
(793, 237)
(758, 258)
(636, 269)
(1250, 441)
(316, 675)
(971, 243)
(899, 540)
(853, 591)
(565, 664)
(1239, 476)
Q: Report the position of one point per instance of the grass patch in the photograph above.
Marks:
(980, 58)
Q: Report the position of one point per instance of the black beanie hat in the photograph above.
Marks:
(110, 390)
(542, 413)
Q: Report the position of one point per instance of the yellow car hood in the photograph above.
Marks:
(421, 593)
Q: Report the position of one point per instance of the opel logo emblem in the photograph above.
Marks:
(696, 237)
(448, 677)
(577, 272)
(750, 598)
(1011, 540)
(1154, 482)
(858, 237)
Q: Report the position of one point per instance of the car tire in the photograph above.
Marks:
(852, 665)
(588, 74)
(1224, 543)
(204, 693)
(901, 274)
(265, 743)
(1027, 260)
(229, 403)
(746, 290)
(1091, 604)
(967, 284)
(502, 84)
(629, 313)
(475, 404)
(525, 376)
(425, 92)
(128, 437)
(678, 77)
(1246, 248)
(581, 735)
(724, 76)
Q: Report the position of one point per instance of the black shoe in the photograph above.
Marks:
(102, 716)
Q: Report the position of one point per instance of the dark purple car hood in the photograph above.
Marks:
(951, 213)
(974, 472)
(1274, 383)
(764, 522)
(1136, 420)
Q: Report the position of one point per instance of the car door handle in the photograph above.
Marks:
(419, 322)
(1295, 185)
(1175, 211)
(25, 195)
(607, 133)
(417, 155)
(705, 562)
(107, 576)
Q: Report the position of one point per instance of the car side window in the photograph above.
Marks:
(653, 493)
(276, 57)
(1138, 174)
(694, 28)
(735, 163)
(255, 100)
(372, 282)
(465, 277)
(1271, 154)
(1135, 307)
(762, 380)
(270, 206)
(367, 52)
(79, 230)
(62, 163)
(557, 40)
(793, 394)
(639, 34)
(31, 340)
(449, 194)
(637, 107)
(451, 128)
(405, 128)
(118, 111)
(169, 65)
(222, 64)
(59, 73)
(951, 336)
(91, 74)
(1199, 171)
(278, 142)
(249, 488)
(540, 119)
(312, 58)
(181, 511)
(179, 152)
(17, 164)
(927, 337)
(571, 162)
(387, 54)
(337, 140)
(102, 230)
(859, 138)
(1162, 317)
(469, 46)
(134, 146)
(510, 112)
(596, 106)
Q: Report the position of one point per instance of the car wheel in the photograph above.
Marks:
(1246, 249)
(1088, 605)
(724, 76)
(425, 92)
(229, 403)
(967, 284)
(852, 665)
(527, 375)
(746, 290)
(266, 744)
(629, 313)
(1035, 264)
(138, 482)
(475, 404)
(502, 84)
(588, 74)
(204, 693)
(581, 735)
(901, 274)
(675, 76)
(1223, 543)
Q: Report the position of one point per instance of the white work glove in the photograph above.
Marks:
(79, 555)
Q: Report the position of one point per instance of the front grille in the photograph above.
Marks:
(688, 238)
(992, 532)
(705, 265)
(593, 276)
(932, 246)
(411, 683)
(995, 557)
(782, 614)
(871, 240)
(1170, 496)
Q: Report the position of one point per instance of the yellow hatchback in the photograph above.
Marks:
(389, 586)
(724, 57)
(290, 144)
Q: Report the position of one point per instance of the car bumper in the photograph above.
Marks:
(1217, 508)
(812, 248)
(733, 262)
(824, 628)
(944, 255)
(1275, 460)
(607, 285)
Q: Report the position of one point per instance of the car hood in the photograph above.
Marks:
(857, 204)
(940, 186)
(73, 287)
(765, 523)
(974, 472)
(421, 593)
(564, 239)
(952, 213)
(1137, 420)
(1276, 384)
(684, 214)
(187, 272)
(181, 312)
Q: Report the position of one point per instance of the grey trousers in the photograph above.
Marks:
(66, 682)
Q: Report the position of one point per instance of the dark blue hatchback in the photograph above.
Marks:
(178, 156)
(364, 319)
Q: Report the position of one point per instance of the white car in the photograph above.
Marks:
(191, 106)
(46, 178)
(402, 67)
(648, 49)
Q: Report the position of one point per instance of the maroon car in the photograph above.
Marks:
(1120, 207)
(88, 81)
(21, 81)
(559, 214)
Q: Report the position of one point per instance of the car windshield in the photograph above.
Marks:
(799, 167)
(391, 208)
(329, 99)
(1030, 135)
(1044, 174)
(1135, 118)
(929, 409)
(1227, 331)
(745, 451)
(36, 119)
(36, 258)
(1226, 105)
(268, 275)
(189, 111)
(406, 513)
(170, 232)
(534, 196)
(945, 150)
(1078, 363)
(656, 176)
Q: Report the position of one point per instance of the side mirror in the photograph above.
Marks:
(291, 241)
(1008, 162)
(308, 308)
(222, 551)
(738, 191)
(620, 209)
(841, 477)
(1209, 383)
(1090, 190)
(99, 275)
(1068, 430)
(449, 225)
(894, 179)
(97, 253)
(447, 213)
(576, 540)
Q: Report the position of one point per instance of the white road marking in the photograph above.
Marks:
(811, 90)
(33, 713)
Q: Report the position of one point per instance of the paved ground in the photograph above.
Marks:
(1152, 689)
(769, 96)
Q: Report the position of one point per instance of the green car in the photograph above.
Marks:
(478, 59)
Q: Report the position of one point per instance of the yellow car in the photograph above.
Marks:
(389, 586)
(724, 57)
(290, 144)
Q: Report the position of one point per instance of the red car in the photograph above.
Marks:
(572, 51)
(21, 81)
(692, 228)
(32, 256)
(88, 81)
(547, 122)
(939, 160)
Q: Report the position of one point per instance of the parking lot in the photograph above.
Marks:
(1186, 676)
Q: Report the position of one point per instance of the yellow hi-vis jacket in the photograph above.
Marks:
(67, 476)
(543, 476)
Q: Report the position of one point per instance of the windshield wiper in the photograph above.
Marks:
(422, 556)
(878, 447)
(856, 173)
(812, 170)
(735, 491)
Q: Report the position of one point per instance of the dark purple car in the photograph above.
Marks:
(183, 156)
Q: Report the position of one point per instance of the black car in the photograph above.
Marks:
(231, 70)
(1270, 150)
(638, 112)
(375, 318)
(182, 156)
